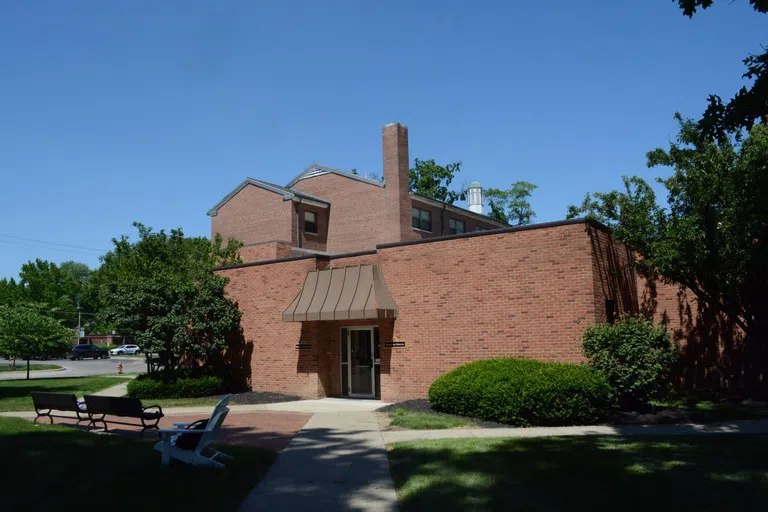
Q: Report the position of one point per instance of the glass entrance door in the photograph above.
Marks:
(361, 362)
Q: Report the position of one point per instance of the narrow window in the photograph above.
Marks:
(480, 228)
(610, 310)
(344, 381)
(421, 219)
(310, 222)
(456, 227)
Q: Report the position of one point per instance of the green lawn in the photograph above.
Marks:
(726, 472)
(717, 409)
(32, 367)
(423, 421)
(15, 394)
(62, 468)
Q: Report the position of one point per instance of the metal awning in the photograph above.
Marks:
(346, 293)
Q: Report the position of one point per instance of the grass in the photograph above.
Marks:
(15, 394)
(32, 368)
(423, 421)
(718, 409)
(57, 467)
(725, 472)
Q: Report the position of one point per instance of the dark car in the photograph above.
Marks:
(83, 351)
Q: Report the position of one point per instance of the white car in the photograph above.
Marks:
(125, 349)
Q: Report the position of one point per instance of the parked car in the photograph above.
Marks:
(83, 351)
(125, 349)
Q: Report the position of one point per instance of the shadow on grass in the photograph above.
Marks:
(587, 473)
(61, 468)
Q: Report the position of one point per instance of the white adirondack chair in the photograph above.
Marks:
(203, 454)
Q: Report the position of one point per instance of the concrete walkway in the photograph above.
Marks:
(725, 427)
(323, 405)
(119, 390)
(337, 462)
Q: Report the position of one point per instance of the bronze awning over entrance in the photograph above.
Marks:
(347, 293)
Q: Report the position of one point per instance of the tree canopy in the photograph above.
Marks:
(750, 104)
(711, 235)
(25, 333)
(511, 206)
(161, 290)
(428, 178)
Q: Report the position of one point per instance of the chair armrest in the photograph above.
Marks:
(181, 425)
(173, 431)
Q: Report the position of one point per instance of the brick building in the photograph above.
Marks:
(356, 287)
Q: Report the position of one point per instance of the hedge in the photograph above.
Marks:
(523, 392)
(188, 387)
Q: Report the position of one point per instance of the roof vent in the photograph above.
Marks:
(475, 193)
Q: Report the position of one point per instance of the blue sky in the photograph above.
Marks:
(112, 112)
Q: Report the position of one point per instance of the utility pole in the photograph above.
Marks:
(78, 324)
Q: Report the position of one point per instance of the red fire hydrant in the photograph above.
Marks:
(119, 368)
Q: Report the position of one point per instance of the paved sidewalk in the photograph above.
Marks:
(119, 390)
(302, 406)
(337, 462)
(725, 427)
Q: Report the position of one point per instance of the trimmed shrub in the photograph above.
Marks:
(634, 356)
(148, 387)
(522, 392)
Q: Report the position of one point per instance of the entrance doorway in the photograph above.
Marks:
(359, 362)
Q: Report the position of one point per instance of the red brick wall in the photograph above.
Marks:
(440, 218)
(265, 251)
(524, 294)
(713, 354)
(358, 212)
(255, 215)
(262, 292)
(613, 274)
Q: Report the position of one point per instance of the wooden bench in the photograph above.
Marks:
(58, 402)
(99, 407)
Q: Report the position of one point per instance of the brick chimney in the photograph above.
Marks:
(395, 152)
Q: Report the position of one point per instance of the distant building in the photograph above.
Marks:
(106, 339)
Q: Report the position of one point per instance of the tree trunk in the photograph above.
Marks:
(27, 369)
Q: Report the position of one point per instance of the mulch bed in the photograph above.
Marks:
(259, 397)
(655, 416)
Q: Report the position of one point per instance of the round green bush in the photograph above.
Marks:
(634, 355)
(522, 392)
(148, 387)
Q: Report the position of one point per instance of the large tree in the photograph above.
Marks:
(750, 104)
(512, 205)
(161, 290)
(26, 333)
(61, 288)
(711, 236)
(430, 179)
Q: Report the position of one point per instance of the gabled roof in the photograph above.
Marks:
(287, 193)
(318, 170)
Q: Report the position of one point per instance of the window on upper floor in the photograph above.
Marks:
(481, 228)
(456, 227)
(421, 219)
(310, 222)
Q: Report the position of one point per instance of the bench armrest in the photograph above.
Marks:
(159, 409)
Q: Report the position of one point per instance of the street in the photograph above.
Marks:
(77, 368)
